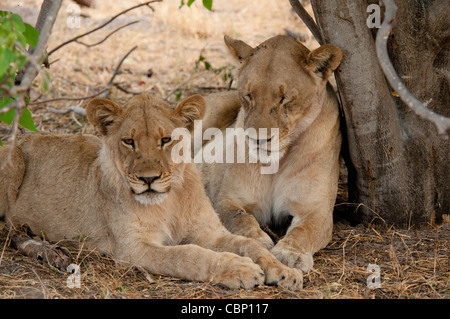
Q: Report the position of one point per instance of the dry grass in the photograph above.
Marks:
(169, 41)
(414, 264)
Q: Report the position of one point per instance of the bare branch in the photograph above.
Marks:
(39, 50)
(103, 93)
(34, 62)
(110, 82)
(103, 25)
(120, 87)
(74, 109)
(75, 119)
(191, 78)
(307, 20)
(442, 123)
(69, 98)
(105, 38)
(119, 65)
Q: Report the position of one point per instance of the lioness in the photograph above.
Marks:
(124, 195)
(281, 84)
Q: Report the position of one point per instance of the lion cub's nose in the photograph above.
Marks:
(149, 180)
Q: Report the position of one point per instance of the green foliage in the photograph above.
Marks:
(225, 71)
(178, 95)
(206, 3)
(26, 120)
(199, 61)
(13, 34)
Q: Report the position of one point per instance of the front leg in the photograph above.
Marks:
(240, 222)
(193, 262)
(305, 236)
(234, 201)
(219, 239)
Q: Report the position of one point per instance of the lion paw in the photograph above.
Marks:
(285, 277)
(259, 235)
(265, 240)
(293, 258)
(239, 272)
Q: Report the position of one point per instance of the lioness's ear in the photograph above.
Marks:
(102, 113)
(324, 60)
(238, 48)
(191, 109)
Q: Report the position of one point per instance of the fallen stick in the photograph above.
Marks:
(53, 255)
(74, 109)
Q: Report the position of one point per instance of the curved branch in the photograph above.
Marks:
(442, 123)
(307, 20)
(106, 38)
(110, 82)
(103, 25)
(69, 98)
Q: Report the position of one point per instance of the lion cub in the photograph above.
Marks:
(124, 194)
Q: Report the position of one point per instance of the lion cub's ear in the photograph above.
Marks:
(102, 113)
(324, 60)
(238, 48)
(191, 109)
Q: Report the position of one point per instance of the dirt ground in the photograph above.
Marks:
(181, 52)
(412, 264)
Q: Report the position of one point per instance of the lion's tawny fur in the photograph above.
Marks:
(280, 84)
(122, 194)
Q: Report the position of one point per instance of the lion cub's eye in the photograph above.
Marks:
(283, 98)
(165, 140)
(128, 142)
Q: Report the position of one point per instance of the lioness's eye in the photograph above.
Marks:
(283, 97)
(128, 141)
(246, 99)
(165, 140)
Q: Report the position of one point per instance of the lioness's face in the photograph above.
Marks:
(279, 84)
(138, 139)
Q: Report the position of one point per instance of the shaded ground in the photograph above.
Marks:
(413, 264)
(171, 42)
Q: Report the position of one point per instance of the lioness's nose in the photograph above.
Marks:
(260, 141)
(149, 179)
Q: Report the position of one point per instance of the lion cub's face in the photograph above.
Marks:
(279, 83)
(137, 141)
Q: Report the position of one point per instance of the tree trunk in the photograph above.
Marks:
(45, 9)
(398, 164)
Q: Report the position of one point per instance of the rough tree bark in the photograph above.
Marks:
(398, 164)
